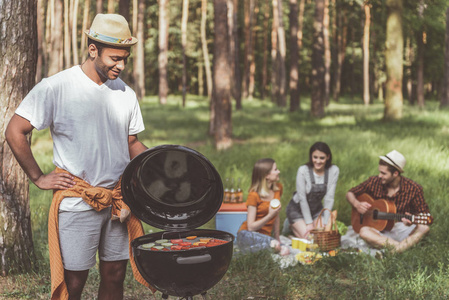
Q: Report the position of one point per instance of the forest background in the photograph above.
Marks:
(371, 73)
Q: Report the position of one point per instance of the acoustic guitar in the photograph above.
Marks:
(382, 215)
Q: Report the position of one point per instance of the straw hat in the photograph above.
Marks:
(111, 29)
(395, 159)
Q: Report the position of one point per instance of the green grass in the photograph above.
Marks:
(356, 135)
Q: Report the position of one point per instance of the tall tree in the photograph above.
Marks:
(266, 17)
(86, 22)
(317, 106)
(420, 56)
(222, 81)
(163, 50)
(341, 40)
(294, 72)
(111, 6)
(234, 52)
(99, 6)
(139, 58)
(444, 102)
(76, 60)
(393, 61)
(56, 39)
(205, 48)
(18, 68)
(123, 9)
(41, 49)
(278, 54)
(252, 56)
(185, 18)
(366, 31)
(327, 54)
(249, 36)
(67, 35)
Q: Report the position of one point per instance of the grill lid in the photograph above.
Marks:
(172, 187)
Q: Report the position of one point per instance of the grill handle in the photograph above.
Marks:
(193, 259)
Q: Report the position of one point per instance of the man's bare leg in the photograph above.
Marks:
(112, 277)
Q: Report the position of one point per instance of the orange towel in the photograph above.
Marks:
(98, 198)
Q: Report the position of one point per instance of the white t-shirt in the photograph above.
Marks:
(89, 124)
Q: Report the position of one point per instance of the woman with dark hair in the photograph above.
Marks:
(315, 188)
(263, 218)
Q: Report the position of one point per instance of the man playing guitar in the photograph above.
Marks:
(406, 195)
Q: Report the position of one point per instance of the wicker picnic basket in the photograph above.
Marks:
(326, 239)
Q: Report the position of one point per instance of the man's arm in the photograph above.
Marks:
(16, 136)
(361, 207)
(135, 146)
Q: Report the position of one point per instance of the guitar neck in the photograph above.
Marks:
(390, 216)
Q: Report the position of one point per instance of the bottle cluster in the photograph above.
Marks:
(232, 192)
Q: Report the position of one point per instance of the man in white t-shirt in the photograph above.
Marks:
(94, 119)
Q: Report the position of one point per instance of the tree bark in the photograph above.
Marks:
(234, 52)
(99, 6)
(111, 6)
(444, 102)
(56, 42)
(274, 54)
(327, 54)
(366, 30)
(263, 88)
(86, 21)
(222, 82)
(163, 51)
(123, 9)
(41, 62)
(139, 58)
(18, 69)
(420, 58)
(294, 72)
(185, 18)
(341, 51)
(393, 61)
(317, 107)
(252, 57)
(67, 36)
(282, 56)
(75, 33)
(207, 66)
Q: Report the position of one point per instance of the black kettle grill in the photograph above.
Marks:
(177, 189)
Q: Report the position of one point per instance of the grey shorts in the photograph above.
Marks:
(82, 233)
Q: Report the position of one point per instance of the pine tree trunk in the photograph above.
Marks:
(163, 51)
(444, 102)
(366, 30)
(222, 83)
(274, 54)
(185, 18)
(123, 9)
(86, 22)
(18, 69)
(99, 6)
(40, 64)
(75, 33)
(252, 57)
(327, 54)
(111, 6)
(282, 100)
(234, 52)
(341, 51)
(56, 40)
(294, 72)
(204, 47)
(393, 61)
(139, 58)
(67, 36)
(317, 106)
(263, 88)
